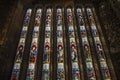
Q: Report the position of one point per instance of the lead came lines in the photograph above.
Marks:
(47, 46)
(60, 47)
(98, 45)
(73, 47)
(86, 47)
(34, 46)
(21, 46)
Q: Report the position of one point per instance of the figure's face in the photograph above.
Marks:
(33, 48)
(20, 48)
(86, 47)
(73, 47)
(60, 47)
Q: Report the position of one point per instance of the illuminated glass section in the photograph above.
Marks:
(86, 46)
(98, 45)
(34, 46)
(47, 46)
(60, 46)
(73, 47)
(21, 46)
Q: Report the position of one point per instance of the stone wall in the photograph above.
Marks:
(110, 24)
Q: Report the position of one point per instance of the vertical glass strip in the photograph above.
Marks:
(73, 47)
(47, 46)
(60, 46)
(98, 45)
(34, 46)
(21, 46)
(86, 47)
